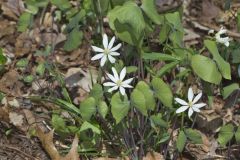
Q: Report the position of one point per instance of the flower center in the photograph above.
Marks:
(190, 104)
(106, 51)
(119, 82)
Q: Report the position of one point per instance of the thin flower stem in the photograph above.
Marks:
(182, 122)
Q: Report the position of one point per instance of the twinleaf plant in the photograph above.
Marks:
(131, 107)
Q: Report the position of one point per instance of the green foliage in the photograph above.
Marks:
(181, 141)
(223, 66)
(24, 21)
(120, 107)
(148, 6)
(142, 98)
(86, 125)
(159, 57)
(3, 59)
(61, 4)
(162, 91)
(237, 135)
(193, 135)
(229, 89)
(96, 92)
(88, 108)
(102, 109)
(206, 69)
(128, 23)
(74, 39)
(225, 134)
(22, 63)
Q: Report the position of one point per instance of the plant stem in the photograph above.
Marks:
(182, 121)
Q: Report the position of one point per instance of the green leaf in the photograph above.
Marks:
(28, 78)
(22, 63)
(88, 108)
(24, 21)
(102, 108)
(86, 125)
(162, 91)
(58, 123)
(149, 7)
(159, 57)
(68, 106)
(194, 136)
(131, 69)
(74, 39)
(128, 22)
(3, 59)
(156, 120)
(120, 107)
(96, 92)
(164, 32)
(144, 88)
(206, 69)
(176, 37)
(74, 21)
(236, 56)
(41, 69)
(138, 100)
(175, 20)
(61, 4)
(225, 134)
(229, 89)
(237, 135)
(166, 68)
(223, 66)
(181, 141)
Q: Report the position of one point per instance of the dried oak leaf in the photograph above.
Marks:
(13, 8)
(16, 119)
(153, 156)
(47, 143)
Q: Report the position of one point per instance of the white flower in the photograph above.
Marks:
(191, 104)
(223, 40)
(108, 52)
(117, 81)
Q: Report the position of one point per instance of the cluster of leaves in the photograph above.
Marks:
(145, 115)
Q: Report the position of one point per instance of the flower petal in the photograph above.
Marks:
(190, 94)
(180, 101)
(113, 88)
(105, 41)
(127, 81)
(110, 45)
(103, 60)
(116, 47)
(115, 74)
(182, 109)
(98, 56)
(114, 53)
(111, 59)
(97, 49)
(197, 98)
(195, 109)
(109, 84)
(122, 90)
(199, 105)
(126, 86)
(190, 112)
(112, 77)
(123, 73)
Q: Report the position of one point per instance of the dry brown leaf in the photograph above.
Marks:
(153, 156)
(13, 8)
(208, 14)
(47, 141)
(16, 119)
(10, 85)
